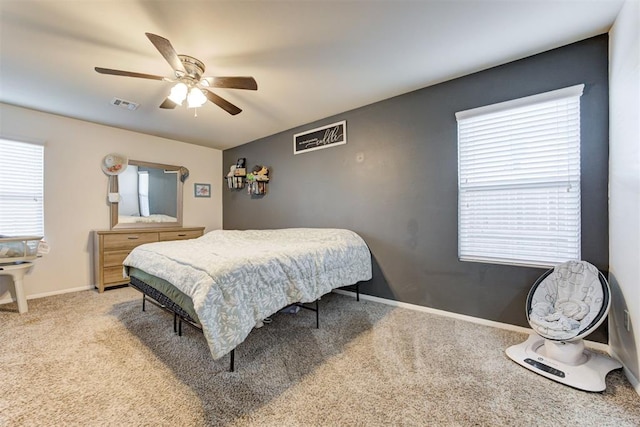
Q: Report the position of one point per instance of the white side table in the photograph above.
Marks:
(17, 271)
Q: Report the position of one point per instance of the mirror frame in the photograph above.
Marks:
(180, 187)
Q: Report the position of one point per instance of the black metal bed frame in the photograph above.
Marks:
(162, 301)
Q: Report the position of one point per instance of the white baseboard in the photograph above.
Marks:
(591, 344)
(48, 294)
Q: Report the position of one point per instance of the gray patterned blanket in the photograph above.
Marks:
(237, 278)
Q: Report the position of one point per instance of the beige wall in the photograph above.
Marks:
(75, 189)
(624, 186)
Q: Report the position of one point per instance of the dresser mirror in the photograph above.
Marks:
(150, 196)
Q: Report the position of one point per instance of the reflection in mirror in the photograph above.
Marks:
(150, 196)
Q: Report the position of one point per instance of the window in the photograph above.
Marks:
(21, 189)
(519, 180)
(143, 192)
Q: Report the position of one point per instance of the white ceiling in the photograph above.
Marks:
(311, 59)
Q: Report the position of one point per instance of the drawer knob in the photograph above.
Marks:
(132, 237)
(182, 235)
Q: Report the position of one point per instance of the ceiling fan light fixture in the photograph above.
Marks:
(178, 93)
(188, 82)
(196, 98)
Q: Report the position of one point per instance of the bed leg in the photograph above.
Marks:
(357, 291)
(180, 326)
(144, 301)
(175, 323)
(317, 315)
(232, 364)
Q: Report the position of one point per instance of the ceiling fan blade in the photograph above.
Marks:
(127, 74)
(248, 83)
(168, 104)
(222, 103)
(167, 51)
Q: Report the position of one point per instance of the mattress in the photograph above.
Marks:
(237, 278)
(174, 295)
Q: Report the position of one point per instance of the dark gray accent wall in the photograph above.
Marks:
(162, 192)
(395, 183)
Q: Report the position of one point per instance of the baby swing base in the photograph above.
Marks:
(566, 362)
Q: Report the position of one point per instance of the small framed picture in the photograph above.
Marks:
(202, 190)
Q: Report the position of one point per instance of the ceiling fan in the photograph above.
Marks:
(189, 83)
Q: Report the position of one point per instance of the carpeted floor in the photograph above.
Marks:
(90, 359)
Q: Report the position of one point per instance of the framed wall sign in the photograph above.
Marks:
(319, 138)
(202, 190)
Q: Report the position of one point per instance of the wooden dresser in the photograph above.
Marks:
(111, 247)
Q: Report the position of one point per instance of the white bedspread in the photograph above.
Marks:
(237, 278)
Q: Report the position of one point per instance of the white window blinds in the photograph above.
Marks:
(21, 189)
(519, 180)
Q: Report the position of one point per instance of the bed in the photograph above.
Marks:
(227, 281)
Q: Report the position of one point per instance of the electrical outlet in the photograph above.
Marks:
(627, 320)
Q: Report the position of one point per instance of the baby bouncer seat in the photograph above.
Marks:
(565, 304)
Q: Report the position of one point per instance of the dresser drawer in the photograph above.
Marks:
(114, 275)
(114, 258)
(128, 240)
(179, 235)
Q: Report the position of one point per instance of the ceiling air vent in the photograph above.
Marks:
(128, 105)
